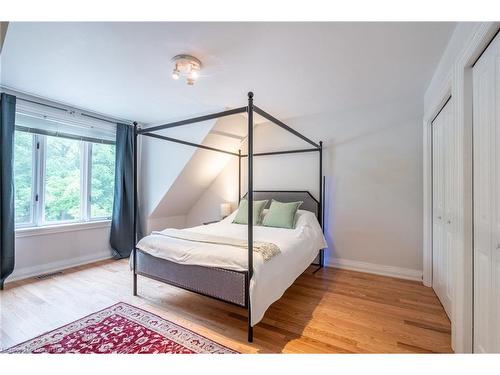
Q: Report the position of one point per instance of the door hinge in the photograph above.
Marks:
(36, 197)
(38, 145)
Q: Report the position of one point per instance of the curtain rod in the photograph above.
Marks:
(61, 107)
(67, 110)
(63, 135)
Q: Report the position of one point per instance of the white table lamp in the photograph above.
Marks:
(225, 210)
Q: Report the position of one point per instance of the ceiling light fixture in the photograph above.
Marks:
(186, 66)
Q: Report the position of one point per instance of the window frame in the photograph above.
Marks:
(42, 208)
(89, 185)
(34, 173)
(37, 207)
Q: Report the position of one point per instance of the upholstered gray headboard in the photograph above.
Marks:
(309, 202)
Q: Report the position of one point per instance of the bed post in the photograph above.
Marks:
(135, 210)
(239, 176)
(250, 212)
(321, 202)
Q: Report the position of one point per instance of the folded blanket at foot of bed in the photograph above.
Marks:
(266, 249)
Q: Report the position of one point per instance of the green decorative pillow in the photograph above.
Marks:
(242, 215)
(281, 215)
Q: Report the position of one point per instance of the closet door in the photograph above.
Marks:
(442, 199)
(486, 125)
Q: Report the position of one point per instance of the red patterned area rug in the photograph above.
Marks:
(124, 329)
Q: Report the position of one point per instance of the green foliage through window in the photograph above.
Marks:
(103, 180)
(23, 176)
(63, 179)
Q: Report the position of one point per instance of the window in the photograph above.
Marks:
(61, 180)
(23, 177)
(102, 180)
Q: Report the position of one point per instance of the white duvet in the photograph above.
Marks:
(271, 278)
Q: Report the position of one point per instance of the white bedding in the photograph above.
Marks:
(298, 247)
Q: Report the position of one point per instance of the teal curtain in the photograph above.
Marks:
(7, 238)
(122, 222)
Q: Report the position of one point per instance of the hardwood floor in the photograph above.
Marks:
(332, 311)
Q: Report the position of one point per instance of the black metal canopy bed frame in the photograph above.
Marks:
(222, 284)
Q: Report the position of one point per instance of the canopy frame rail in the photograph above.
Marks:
(188, 143)
(299, 151)
(249, 109)
(194, 120)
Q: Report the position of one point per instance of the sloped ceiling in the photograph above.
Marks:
(162, 162)
(202, 168)
(328, 79)
(3, 32)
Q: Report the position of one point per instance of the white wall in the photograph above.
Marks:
(178, 221)
(224, 189)
(43, 253)
(374, 198)
(282, 172)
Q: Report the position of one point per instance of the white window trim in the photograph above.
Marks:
(61, 228)
(86, 169)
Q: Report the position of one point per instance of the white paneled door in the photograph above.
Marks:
(442, 200)
(486, 120)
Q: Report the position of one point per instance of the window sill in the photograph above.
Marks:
(60, 228)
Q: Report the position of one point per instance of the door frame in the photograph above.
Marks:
(458, 84)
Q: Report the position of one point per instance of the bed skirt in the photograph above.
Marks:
(218, 283)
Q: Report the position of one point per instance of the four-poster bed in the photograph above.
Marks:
(234, 284)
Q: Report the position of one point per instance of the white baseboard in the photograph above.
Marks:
(27, 272)
(377, 269)
(347, 264)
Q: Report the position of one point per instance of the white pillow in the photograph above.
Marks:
(304, 218)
